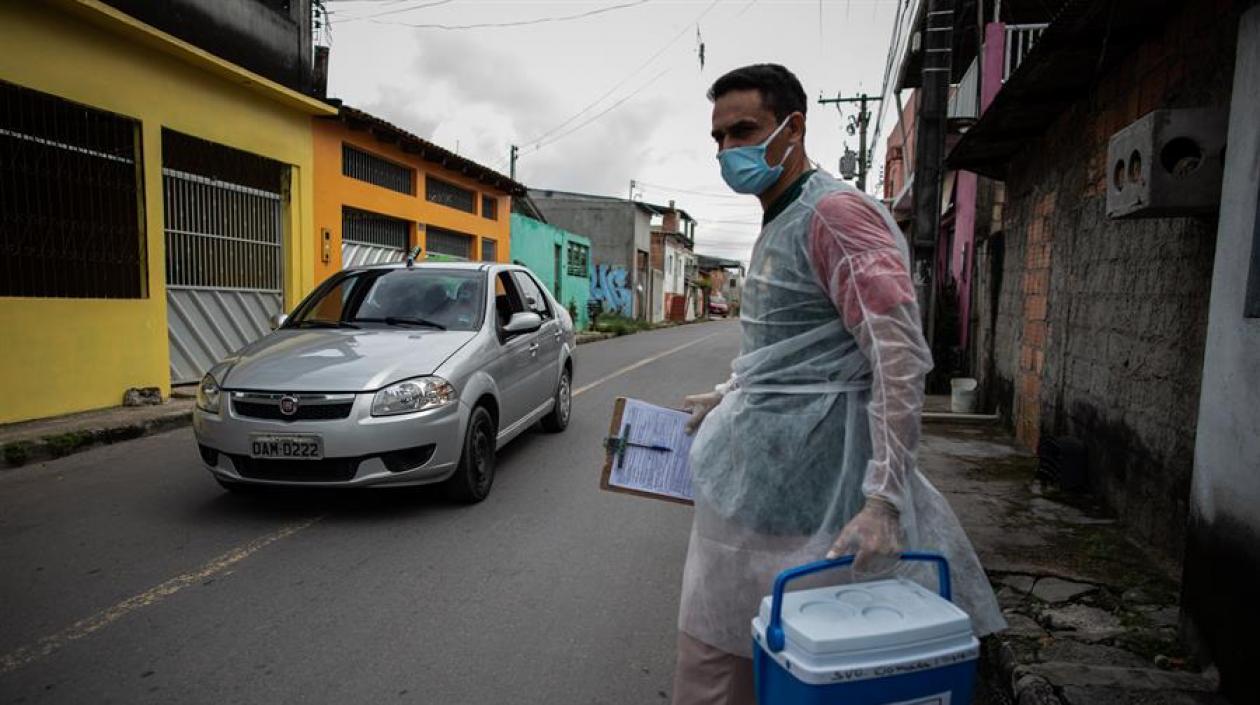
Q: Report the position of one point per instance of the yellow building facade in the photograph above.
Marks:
(65, 353)
(381, 191)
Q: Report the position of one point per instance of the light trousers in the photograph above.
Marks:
(705, 675)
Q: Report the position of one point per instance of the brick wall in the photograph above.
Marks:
(1104, 320)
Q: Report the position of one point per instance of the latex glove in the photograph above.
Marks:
(874, 535)
(700, 405)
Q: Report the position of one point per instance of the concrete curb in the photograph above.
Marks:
(59, 445)
(584, 338)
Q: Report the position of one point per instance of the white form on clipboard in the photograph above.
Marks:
(647, 452)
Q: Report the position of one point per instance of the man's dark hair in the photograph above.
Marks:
(781, 92)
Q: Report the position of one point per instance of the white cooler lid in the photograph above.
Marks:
(870, 616)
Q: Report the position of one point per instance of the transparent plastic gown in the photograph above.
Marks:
(821, 412)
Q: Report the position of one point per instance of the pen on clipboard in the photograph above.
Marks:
(619, 446)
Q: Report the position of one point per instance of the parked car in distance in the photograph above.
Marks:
(391, 375)
(718, 305)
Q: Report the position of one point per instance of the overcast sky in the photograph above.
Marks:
(599, 100)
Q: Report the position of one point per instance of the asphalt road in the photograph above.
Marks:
(128, 576)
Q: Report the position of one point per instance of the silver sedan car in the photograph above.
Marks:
(392, 375)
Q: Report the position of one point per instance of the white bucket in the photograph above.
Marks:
(962, 399)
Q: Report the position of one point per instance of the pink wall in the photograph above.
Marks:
(962, 255)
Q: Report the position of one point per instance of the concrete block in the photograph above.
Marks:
(1064, 674)
(1072, 651)
(1022, 626)
(1168, 163)
(1083, 622)
(1092, 695)
(1056, 590)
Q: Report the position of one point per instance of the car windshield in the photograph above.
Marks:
(440, 299)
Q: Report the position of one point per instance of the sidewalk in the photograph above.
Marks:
(1093, 619)
(43, 439)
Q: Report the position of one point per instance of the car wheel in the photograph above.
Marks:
(475, 473)
(558, 419)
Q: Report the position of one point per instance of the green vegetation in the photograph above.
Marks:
(17, 453)
(67, 443)
(619, 325)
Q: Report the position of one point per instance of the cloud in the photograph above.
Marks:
(597, 158)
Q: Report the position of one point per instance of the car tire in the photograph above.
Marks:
(475, 473)
(558, 419)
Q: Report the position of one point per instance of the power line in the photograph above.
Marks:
(538, 146)
(661, 187)
(893, 50)
(625, 80)
(396, 11)
(515, 23)
(598, 115)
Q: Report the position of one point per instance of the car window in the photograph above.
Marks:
(330, 306)
(413, 297)
(507, 300)
(533, 296)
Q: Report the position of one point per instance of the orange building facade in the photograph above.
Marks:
(381, 191)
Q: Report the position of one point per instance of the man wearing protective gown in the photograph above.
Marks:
(809, 449)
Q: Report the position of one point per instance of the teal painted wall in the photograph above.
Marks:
(534, 245)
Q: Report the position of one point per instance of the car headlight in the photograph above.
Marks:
(413, 395)
(208, 394)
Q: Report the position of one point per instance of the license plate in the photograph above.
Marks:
(287, 447)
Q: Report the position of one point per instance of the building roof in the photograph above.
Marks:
(652, 208)
(1084, 41)
(711, 262)
(426, 150)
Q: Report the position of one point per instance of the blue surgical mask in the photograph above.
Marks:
(745, 169)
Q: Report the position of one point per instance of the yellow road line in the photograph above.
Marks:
(46, 646)
(640, 363)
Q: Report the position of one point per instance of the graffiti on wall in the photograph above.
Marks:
(611, 287)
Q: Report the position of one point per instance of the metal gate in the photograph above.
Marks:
(371, 238)
(224, 268)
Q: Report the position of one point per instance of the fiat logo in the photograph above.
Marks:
(288, 405)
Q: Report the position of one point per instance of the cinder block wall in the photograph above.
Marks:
(1101, 323)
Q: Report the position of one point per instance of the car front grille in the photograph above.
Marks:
(305, 412)
(326, 470)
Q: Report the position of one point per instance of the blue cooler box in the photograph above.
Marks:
(885, 642)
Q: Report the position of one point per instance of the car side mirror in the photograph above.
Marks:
(278, 320)
(523, 322)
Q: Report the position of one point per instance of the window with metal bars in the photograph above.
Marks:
(71, 201)
(441, 241)
(447, 194)
(365, 166)
(490, 207)
(578, 258)
(489, 250)
(223, 216)
(368, 228)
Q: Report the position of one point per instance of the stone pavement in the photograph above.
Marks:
(1093, 619)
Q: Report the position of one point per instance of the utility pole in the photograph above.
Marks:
(512, 158)
(929, 158)
(859, 125)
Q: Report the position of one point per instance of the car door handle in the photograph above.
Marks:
(533, 348)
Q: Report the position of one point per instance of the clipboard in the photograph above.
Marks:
(623, 442)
